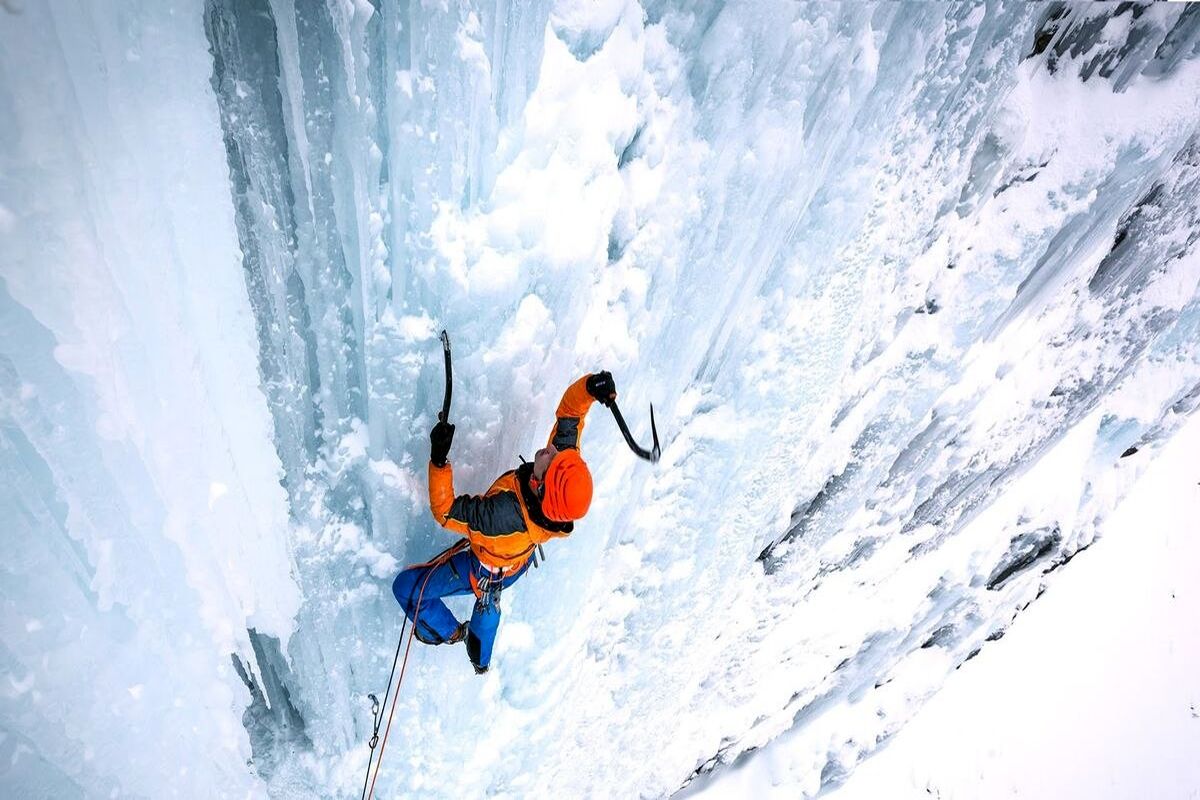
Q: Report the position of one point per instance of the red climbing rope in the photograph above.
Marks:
(437, 561)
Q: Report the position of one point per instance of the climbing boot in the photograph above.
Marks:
(459, 634)
(473, 648)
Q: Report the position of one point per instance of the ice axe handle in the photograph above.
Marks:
(444, 414)
(650, 455)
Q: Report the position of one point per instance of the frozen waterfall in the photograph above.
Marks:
(913, 288)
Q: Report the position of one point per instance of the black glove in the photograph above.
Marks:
(440, 439)
(602, 387)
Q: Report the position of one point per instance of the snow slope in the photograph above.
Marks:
(1093, 694)
(885, 271)
(1123, 663)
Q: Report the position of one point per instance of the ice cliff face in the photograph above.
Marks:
(913, 288)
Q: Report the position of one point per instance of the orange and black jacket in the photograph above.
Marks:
(506, 524)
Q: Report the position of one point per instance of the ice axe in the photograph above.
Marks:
(650, 455)
(444, 414)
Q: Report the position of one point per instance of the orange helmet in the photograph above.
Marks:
(568, 487)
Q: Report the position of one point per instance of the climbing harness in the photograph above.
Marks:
(377, 707)
(487, 586)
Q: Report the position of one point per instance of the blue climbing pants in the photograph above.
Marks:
(434, 621)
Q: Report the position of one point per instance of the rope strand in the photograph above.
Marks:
(437, 561)
(378, 717)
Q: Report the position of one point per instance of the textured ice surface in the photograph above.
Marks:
(884, 270)
(144, 527)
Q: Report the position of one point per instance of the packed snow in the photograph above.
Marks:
(1094, 693)
(913, 289)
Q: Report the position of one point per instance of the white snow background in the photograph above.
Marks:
(1095, 693)
(913, 289)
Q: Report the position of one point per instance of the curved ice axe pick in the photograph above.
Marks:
(444, 414)
(650, 455)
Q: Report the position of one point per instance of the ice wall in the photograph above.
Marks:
(144, 526)
(886, 271)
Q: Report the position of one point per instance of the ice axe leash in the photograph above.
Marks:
(650, 455)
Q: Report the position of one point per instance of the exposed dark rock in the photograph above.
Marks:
(1024, 551)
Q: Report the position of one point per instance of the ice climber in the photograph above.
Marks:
(536, 502)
